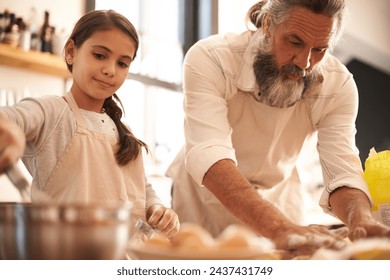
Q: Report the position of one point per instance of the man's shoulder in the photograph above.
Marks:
(229, 41)
(335, 73)
(336, 80)
(333, 65)
(225, 50)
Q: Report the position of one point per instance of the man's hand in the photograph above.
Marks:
(306, 240)
(353, 208)
(163, 219)
(235, 192)
(12, 143)
(368, 228)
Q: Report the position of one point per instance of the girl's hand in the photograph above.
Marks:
(12, 143)
(163, 219)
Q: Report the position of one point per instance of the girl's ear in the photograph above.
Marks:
(69, 51)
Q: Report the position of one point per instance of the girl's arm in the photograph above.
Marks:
(12, 143)
(160, 217)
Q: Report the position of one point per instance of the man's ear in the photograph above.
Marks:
(266, 24)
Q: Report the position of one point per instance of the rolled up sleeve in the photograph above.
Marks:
(339, 157)
(201, 157)
(207, 130)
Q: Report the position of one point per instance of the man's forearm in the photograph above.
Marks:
(235, 192)
(350, 205)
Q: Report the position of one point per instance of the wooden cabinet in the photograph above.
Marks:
(35, 61)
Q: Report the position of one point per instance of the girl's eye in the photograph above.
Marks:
(98, 55)
(123, 64)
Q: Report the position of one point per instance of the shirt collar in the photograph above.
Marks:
(246, 80)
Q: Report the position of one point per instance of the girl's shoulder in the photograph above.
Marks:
(48, 106)
(48, 101)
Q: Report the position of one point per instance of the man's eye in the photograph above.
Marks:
(295, 43)
(321, 50)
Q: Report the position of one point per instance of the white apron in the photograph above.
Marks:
(267, 147)
(88, 172)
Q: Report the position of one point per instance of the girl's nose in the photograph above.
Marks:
(109, 69)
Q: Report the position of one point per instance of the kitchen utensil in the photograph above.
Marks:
(64, 231)
(144, 229)
(156, 253)
(20, 182)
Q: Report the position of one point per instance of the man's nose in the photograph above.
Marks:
(302, 59)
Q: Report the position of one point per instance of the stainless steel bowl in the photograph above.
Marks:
(50, 231)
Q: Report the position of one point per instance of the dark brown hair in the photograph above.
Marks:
(87, 25)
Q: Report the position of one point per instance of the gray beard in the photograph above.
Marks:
(275, 88)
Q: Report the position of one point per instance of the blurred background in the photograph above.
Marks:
(152, 94)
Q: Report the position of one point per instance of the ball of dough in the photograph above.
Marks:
(236, 236)
(192, 236)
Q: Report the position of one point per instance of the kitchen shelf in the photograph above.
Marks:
(34, 61)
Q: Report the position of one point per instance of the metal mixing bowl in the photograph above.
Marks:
(50, 231)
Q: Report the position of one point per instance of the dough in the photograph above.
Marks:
(236, 236)
(192, 236)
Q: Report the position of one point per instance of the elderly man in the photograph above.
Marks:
(251, 100)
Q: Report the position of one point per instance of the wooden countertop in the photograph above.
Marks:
(35, 61)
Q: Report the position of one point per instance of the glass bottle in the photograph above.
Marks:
(25, 35)
(11, 35)
(46, 34)
(34, 24)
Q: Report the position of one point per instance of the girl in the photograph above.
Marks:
(77, 149)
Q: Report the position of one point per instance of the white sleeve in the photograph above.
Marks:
(339, 157)
(151, 197)
(207, 130)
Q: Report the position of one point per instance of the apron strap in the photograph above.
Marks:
(76, 111)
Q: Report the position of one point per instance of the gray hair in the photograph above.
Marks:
(278, 10)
